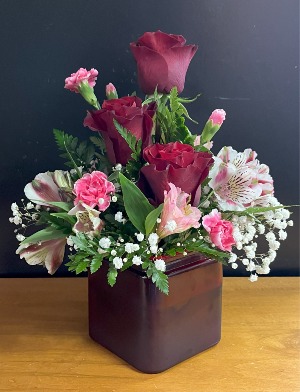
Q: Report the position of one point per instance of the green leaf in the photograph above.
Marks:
(136, 204)
(96, 263)
(205, 249)
(65, 216)
(152, 218)
(98, 141)
(112, 275)
(82, 266)
(60, 204)
(258, 210)
(43, 235)
(130, 139)
(161, 281)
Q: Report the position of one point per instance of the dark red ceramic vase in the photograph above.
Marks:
(153, 331)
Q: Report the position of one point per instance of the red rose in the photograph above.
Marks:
(162, 61)
(177, 163)
(129, 112)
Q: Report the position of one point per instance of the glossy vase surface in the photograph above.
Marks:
(153, 331)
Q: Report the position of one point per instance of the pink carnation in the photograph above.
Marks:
(220, 231)
(177, 215)
(74, 81)
(218, 116)
(93, 189)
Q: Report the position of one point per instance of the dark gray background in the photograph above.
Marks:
(247, 64)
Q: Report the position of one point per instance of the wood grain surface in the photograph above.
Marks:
(44, 342)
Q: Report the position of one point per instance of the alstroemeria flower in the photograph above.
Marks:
(94, 189)
(44, 188)
(50, 253)
(88, 220)
(177, 214)
(220, 231)
(239, 180)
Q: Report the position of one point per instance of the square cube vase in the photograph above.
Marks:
(153, 331)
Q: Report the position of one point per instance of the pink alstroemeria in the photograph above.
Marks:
(88, 220)
(177, 215)
(42, 189)
(220, 231)
(73, 82)
(239, 180)
(50, 254)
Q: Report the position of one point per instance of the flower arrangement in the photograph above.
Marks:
(144, 188)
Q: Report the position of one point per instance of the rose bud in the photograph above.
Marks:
(130, 114)
(174, 163)
(162, 61)
(111, 92)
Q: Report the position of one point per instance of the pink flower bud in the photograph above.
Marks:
(218, 116)
(111, 92)
(74, 81)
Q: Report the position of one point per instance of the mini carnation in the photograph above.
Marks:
(140, 236)
(118, 262)
(160, 265)
(137, 260)
(104, 242)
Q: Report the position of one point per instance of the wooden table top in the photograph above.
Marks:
(44, 342)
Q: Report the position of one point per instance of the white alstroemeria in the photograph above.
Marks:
(239, 180)
(88, 220)
(47, 253)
